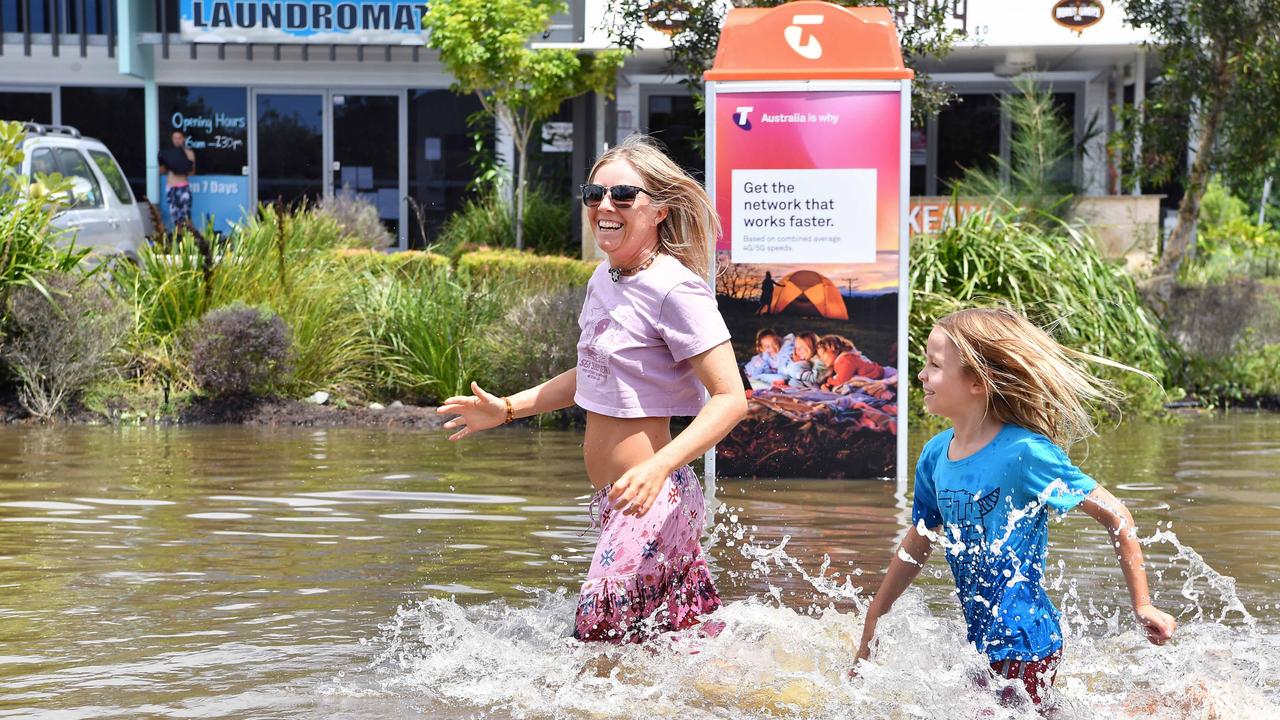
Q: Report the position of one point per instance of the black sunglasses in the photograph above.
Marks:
(622, 196)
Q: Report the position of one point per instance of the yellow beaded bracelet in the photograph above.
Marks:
(511, 411)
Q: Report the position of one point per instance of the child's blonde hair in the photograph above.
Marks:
(1031, 379)
(692, 224)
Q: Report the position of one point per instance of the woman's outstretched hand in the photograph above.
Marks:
(474, 412)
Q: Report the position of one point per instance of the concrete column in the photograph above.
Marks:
(1139, 97)
(151, 110)
(132, 58)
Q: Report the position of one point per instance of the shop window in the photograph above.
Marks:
(18, 15)
(676, 122)
(919, 160)
(215, 122)
(93, 15)
(26, 106)
(290, 147)
(439, 154)
(968, 137)
(551, 152)
(116, 116)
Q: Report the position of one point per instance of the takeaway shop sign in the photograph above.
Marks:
(1077, 14)
(388, 22)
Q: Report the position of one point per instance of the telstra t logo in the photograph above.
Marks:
(743, 116)
(806, 47)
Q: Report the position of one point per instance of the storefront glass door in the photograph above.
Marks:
(290, 146)
(26, 105)
(312, 144)
(367, 152)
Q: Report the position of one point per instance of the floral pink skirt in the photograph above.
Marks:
(648, 574)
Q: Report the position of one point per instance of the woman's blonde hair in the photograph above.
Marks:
(692, 225)
(1031, 379)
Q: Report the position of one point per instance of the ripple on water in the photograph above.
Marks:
(45, 505)
(325, 519)
(388, 495)
(134, 502)
(291, 501)
(53, 519)
(468, 517)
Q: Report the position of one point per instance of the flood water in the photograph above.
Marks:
(292, 573)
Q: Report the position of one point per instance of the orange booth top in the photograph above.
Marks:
(809, 41)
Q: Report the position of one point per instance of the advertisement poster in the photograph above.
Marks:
(808, 186)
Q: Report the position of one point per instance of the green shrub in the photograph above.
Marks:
(548, 224)
(239, 351)
(411, 266)
(524, 271)
(485, 222)
(535, 340)
(27, 237)
(1037, 179)
(62, 336)
(1050, 272)
(278, 259)
(358, 218)
(1249, 375)
(421, 333)
(1229, 243)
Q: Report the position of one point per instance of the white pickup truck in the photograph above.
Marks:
(103, 215)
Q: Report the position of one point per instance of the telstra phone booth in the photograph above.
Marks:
(807, 142)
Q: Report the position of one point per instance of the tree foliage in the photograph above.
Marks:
(1037, 179)
(486, 45)
(923, 32)
(1221, 69)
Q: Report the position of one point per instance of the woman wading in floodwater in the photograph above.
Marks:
(652, 339)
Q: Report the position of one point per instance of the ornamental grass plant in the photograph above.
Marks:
(1052, 273)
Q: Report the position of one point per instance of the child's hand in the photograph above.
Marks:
(1158, 624)
(475, 412)
(864, 655)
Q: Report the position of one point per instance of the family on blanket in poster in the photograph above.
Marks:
(800, 374)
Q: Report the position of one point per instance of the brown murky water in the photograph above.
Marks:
(232, 572)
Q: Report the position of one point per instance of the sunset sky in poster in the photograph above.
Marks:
(866, 136)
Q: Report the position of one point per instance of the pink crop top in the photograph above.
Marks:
(637, 337)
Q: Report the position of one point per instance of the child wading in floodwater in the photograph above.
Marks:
(983, 489)
(652, 339)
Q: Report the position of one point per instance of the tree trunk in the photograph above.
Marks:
(518, 220)
(1197, 181)
(521, 140)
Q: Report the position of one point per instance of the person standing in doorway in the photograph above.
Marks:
(179, 163)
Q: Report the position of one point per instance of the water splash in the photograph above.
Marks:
(501, 659)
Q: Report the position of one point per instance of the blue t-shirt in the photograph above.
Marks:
(995, 527)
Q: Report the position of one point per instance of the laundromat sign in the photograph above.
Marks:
(388, 22)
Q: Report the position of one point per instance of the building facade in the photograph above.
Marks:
(284, 100)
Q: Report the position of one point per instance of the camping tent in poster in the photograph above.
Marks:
(808, 180)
